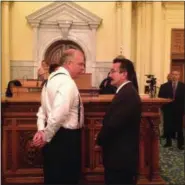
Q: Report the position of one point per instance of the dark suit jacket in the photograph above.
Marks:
(119, 135)
(174, 110)
(106, 87)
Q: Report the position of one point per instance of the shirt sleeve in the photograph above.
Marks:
(41, 117)
(60, 110)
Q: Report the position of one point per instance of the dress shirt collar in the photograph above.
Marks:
(124, 83)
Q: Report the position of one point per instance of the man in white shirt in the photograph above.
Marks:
(60, 119)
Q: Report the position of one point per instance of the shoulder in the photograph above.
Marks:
(128, 90)
(59, 80)
(181, 83)
(67, 83)
(166, 84)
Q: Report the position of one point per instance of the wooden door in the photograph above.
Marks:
(177, 44)
(179, 65)
(177, 52)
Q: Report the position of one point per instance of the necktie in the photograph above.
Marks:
(174, 89)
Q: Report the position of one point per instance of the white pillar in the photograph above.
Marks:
(140, 53)
(126, 28)
(93, 33)
(35, 26)
(5, 45)
(156, 40)
(118, 21)
(148, 43)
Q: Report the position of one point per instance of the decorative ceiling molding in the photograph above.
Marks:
(61, 13)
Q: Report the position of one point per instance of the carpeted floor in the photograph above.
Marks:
(172, 164)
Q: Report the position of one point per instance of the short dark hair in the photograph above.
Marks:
(127, 65)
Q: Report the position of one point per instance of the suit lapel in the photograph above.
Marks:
(117, 97)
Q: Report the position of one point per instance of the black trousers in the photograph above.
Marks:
(180, 139)
(118, 177)
(177, 127)
(62, 158)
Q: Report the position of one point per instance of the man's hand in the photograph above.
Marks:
(39, 139)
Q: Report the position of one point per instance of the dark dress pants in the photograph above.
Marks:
(119, 177)
(62, 158)
(177, 126)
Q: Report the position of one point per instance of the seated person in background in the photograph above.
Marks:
(106, 87)
(43, 71)
(10, 85)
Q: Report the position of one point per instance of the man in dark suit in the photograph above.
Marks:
(163, 120)
(173, 111)
(119, 135)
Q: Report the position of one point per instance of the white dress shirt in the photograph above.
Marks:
(59, 104)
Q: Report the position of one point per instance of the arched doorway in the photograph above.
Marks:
(54, 52)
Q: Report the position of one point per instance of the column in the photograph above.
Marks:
(143, 43)
(126, 28)
(156, 40)
(118, 22)
(141, 48)
(93, 27)
(147, 38)
(35, 26)
(5, 45)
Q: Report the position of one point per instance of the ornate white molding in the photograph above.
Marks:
(66, 12)
(64, 21)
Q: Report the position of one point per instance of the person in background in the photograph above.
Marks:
(119, 134)
(169, 77)
(59, 121)
(173, 111)
(106, 87)
(164, 121)
(42, 73)
(11, 84)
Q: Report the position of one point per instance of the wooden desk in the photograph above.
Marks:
(84, 81)
(22, 164)
(17, 91)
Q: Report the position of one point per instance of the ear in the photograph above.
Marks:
(124, 74)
